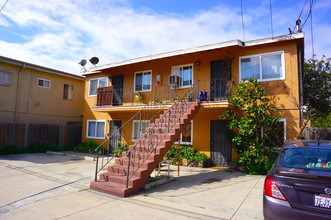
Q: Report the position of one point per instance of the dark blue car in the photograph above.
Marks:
(299, 184)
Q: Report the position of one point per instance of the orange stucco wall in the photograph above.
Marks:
(283, 93)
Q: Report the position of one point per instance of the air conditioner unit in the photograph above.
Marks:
(174, 80)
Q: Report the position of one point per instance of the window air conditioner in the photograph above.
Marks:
(174, 80)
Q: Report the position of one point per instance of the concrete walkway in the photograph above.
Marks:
(47, 186)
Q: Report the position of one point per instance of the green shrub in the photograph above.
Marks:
(10, 149)
(186, 152)
(118, 152)
(86, 146)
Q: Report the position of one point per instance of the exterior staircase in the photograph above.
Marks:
(129, 172)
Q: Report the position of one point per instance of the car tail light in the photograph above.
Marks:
(272, 190)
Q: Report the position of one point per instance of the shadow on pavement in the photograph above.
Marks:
(45, 158)
(197, 177)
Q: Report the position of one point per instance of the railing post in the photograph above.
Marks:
(169, 120)
(128, 173)
(96, 167)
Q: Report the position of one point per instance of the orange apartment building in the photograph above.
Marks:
(127, 94)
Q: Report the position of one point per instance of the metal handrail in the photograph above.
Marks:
(153, 109)
(150, 140)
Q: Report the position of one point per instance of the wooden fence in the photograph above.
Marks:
(317, 133)
(23, 134)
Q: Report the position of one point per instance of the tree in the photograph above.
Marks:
(317, 90)
(255, 124)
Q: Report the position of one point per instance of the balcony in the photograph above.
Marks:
(211, 92)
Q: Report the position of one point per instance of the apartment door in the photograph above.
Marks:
(117, 81)
(219, 72)
(115, 134)
(220, 144)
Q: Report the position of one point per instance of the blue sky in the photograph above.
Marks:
(58, 34)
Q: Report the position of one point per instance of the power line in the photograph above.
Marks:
(312, 33)
(242, 18)
(272, 28)
(3, 5)
(302, 10)
(311, 6)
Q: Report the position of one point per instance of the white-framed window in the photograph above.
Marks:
(281, 136)
(264, 67)
(143, 81)
(43, 83)
(5, 79)
(185, 73)
(97, 83)
(186, 136)
(96, 129)
(138, 127)
(68, 92)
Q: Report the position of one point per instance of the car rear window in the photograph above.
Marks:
(308, 158)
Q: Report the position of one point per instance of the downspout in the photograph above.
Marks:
(300, 69)
(18, 93)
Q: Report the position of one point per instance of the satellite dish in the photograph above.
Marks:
(94, 60)
(82, 62)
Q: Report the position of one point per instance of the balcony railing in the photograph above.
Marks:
(210, 90)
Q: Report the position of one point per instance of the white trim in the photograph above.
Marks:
(143, 72)
(98, 83)
(133, 126)
(181, 78)
(45, 80)
(40, 68)
(87, 129)
(168, 54)
(282, 53)
(200, 49)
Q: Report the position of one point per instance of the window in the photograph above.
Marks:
(139, 127)
(97, 83)
(96, 129)
(5, 79)
(314, 157)
(44, 83)
(68, 92)
(143, 81)
(186, 136)
(185, 73)
(279, 137)
(265, 67)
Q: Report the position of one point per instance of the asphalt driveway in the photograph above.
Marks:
(47, 186)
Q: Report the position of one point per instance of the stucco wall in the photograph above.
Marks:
(39, 105)
(284, 93)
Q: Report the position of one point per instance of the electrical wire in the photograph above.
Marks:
(302, 10)
(311, 6)
(272, 28)
(312, 34)
(242, 18)
(4, 5)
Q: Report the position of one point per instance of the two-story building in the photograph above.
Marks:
(118, 94)
(36, 101)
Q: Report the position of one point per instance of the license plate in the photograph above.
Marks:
(323, 201)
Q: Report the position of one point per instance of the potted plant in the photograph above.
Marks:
(138, 97)
(189, 96)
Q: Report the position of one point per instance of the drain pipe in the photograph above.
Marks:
(18, 94)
